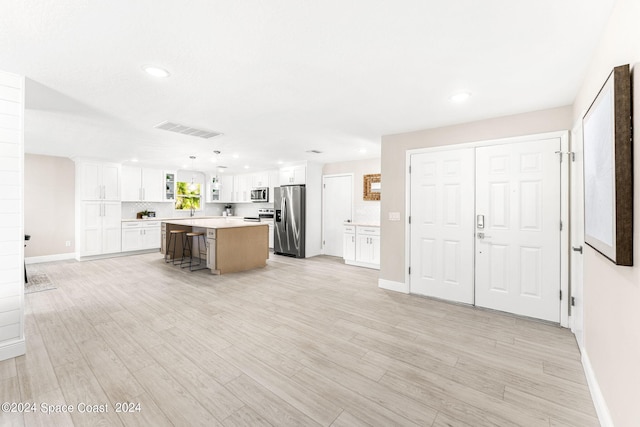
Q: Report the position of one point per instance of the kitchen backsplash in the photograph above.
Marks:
(165, 210)
(367, 213)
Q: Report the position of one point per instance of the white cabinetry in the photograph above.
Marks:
(98, 208)
(349, 243)
(226, 188)
(293, 175)
(242, 188)
(211, 249)
(137, 235)
(142, 185)
(98, 181)
(169, 192)
(237, 188)
(99, 228)
(260, 179)
(362, 245)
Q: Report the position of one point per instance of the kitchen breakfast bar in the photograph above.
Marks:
(228, 245)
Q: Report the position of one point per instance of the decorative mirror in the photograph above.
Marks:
(371, 187)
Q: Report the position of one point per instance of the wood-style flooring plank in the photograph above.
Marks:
(175, 401)
(275, 410)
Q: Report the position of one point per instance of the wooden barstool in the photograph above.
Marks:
(170, 255)
(188, 247)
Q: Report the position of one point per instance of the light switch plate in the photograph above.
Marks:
(394, 216)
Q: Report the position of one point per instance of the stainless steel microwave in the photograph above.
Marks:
(260, 194)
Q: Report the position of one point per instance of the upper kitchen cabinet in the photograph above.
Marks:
(260, 179)
(242, 188)
(142, 185)
(98, 181)
(293, 175)
(226, 188)
(169, 192)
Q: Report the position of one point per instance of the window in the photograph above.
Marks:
(188, 196)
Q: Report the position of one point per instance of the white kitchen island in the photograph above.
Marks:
(232, 245)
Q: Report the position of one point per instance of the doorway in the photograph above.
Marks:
(486, 225)
(337, 208)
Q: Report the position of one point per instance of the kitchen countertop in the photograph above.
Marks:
(362, 224)
(216, 222)
(178, 218)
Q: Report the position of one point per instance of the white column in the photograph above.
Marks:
(12, 342)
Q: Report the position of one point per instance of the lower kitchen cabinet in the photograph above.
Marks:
(361, 246)
(349, 243)
(138, 236)
(99, 229)
(211, 249)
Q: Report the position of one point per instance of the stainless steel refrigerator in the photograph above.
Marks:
(289, 205)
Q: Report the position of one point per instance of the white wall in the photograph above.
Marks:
(612, 293)
(49, 213)
(11, 215)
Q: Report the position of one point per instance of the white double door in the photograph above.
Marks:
(485, 226)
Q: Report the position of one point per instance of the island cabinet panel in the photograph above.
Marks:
(239, 249)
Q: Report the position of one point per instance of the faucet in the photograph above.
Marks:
(192, 211)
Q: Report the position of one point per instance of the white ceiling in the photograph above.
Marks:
(282, 77)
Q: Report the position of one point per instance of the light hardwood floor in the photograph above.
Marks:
(298, 343)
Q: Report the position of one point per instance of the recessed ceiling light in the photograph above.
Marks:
(134, 160)
(280, 162)
(459, 97)
(235, 156)
(154, 71)
(362, 150)
(246, 166)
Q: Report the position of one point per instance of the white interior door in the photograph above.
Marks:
(337, 209)
(518, 228)
(442, 202)
(577, 235)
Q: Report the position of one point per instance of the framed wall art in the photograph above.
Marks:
(371, 187)
(608, 169)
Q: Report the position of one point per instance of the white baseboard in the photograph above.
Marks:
(49, 258)
(393, 286)
(15, 349)
(596, 394)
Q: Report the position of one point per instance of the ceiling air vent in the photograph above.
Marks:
(186, 130)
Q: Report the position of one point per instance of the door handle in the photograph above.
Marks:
(481, 236)
(578, 249)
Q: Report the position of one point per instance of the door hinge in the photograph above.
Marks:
(573, 301)
(560, 153)
(409, 219)
(560, 225)
(560, 295)
(409, 270)
(409, 168)
(323, 243)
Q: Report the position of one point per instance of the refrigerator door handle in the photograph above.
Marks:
(285, 214)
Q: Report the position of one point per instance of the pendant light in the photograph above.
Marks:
(216, 183)
(192, 186)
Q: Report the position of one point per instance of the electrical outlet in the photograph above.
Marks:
(67, 243)
(394, 216)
